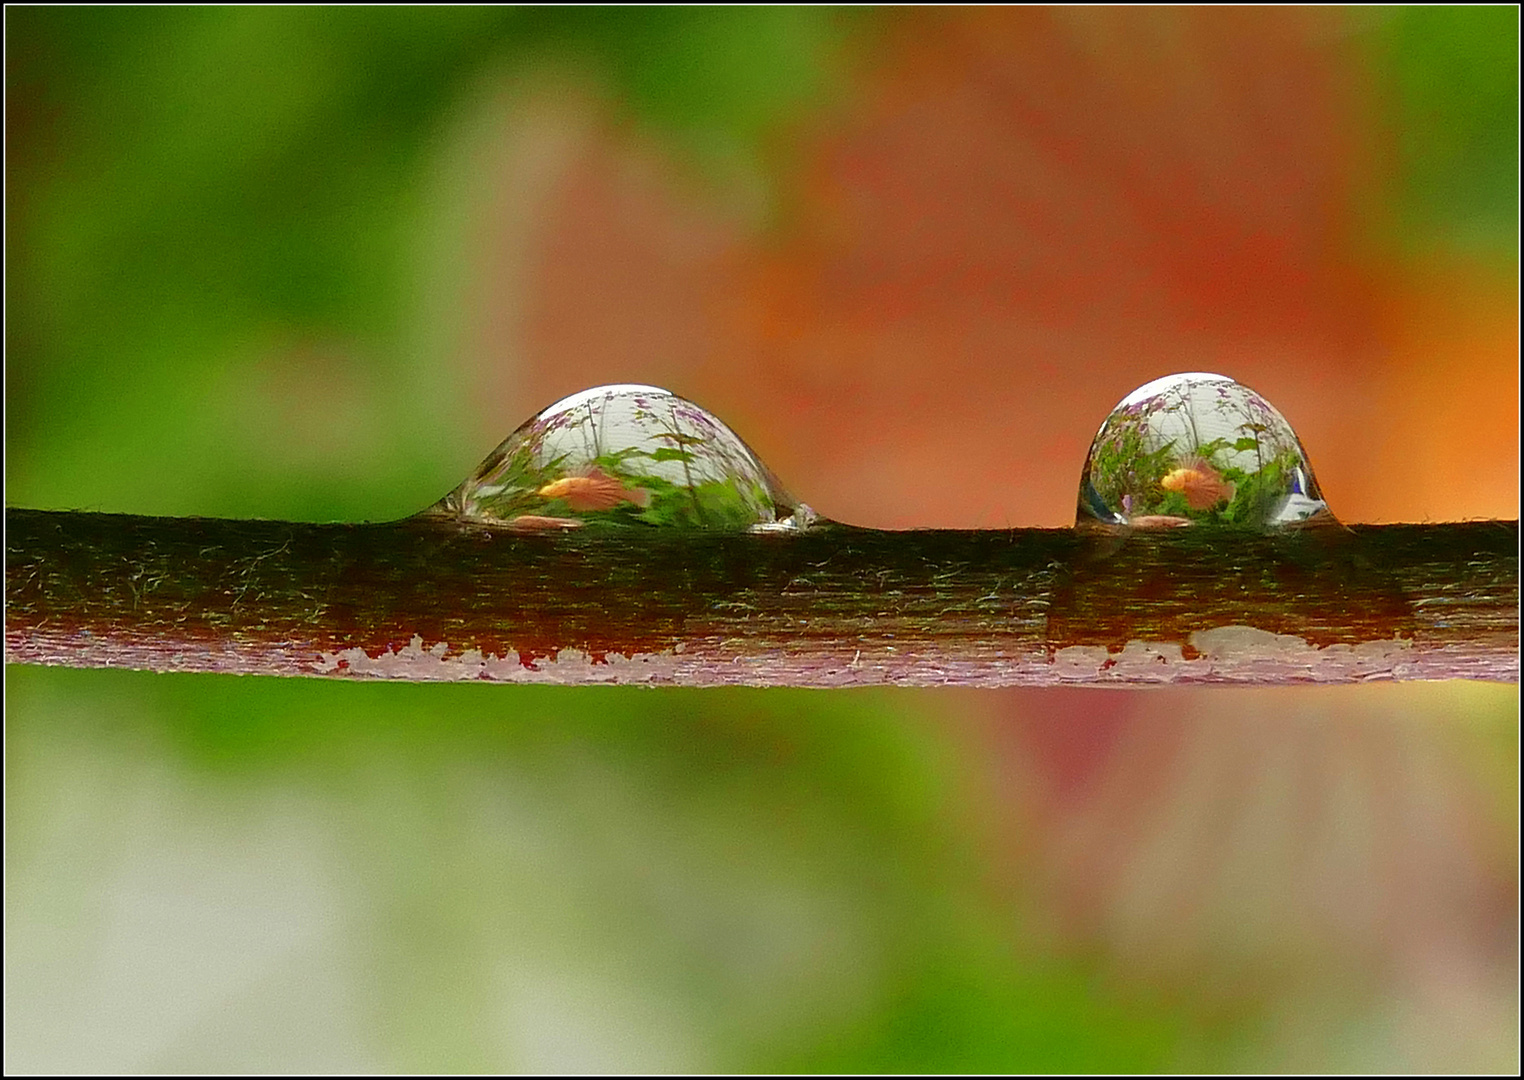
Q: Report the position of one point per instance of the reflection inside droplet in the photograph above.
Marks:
(624, 455)
(1198, 449)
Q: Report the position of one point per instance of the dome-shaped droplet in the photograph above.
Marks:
(624, 455)
(1198, 449)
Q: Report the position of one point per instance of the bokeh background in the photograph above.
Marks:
(313, 263)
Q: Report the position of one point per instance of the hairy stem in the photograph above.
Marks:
(834, 606)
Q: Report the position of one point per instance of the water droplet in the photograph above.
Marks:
(1198, 449)
(625, 455)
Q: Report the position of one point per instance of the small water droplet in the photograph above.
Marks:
(626, 455)
(1198, 449)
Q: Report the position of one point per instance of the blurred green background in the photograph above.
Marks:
(248, 252)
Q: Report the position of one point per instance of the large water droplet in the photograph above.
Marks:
(624, 455)
(1198, 449)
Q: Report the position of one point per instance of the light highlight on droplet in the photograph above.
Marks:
(1198, 449)
(624, 455)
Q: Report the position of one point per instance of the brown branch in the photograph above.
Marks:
(836, 606)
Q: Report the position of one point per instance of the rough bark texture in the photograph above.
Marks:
(837, 606)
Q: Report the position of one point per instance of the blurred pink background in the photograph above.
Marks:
(1017, 217)
(917, 302)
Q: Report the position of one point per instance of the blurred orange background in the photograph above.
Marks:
(1022, 215)
(316, 263)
